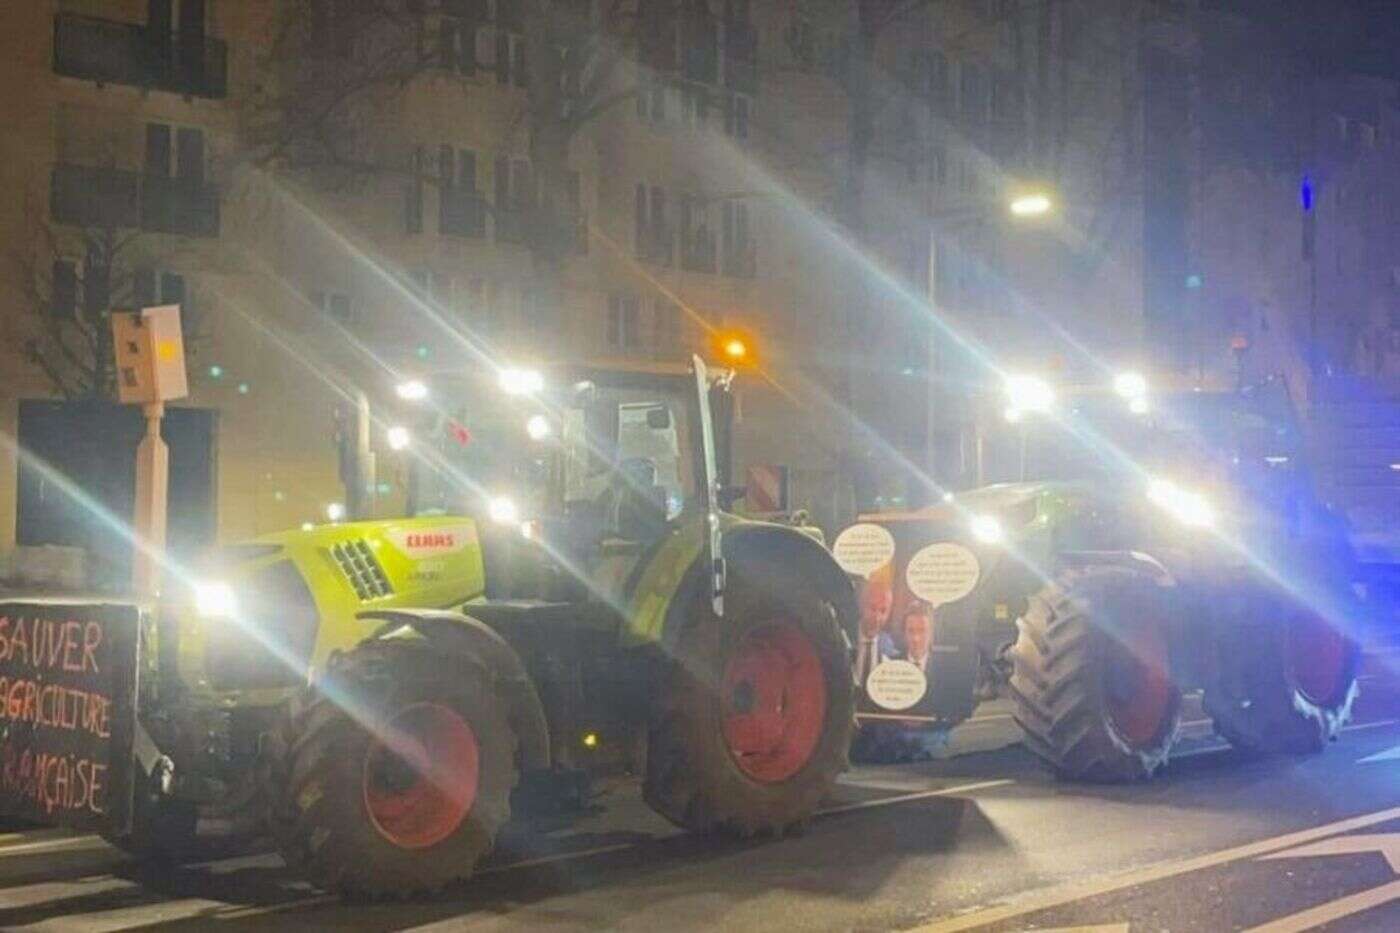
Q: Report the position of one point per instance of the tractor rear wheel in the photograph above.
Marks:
(754, 715)
(397, 775)
(1092, 675)
(1285, 677)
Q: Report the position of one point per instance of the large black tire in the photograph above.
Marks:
(1285, 678)
(1091, 676)
(694, 777)
(334, 764)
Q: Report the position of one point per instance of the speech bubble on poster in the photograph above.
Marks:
(896, 685)
(862, 549)
(942, 573)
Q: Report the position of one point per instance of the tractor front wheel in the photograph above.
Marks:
(754, 716)
(1285, 677)
(396, 775)
(1092, 676)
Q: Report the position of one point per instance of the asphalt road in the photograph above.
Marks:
(983, 840)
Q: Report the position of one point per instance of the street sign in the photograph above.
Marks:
(67, 712)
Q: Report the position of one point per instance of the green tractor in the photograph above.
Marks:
(568, 597)
(1137, 548)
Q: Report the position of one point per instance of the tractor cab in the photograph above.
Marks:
(597, 463)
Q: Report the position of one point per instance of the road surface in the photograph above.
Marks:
(984, 840)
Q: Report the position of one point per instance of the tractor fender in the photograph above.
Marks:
(1133, 560)
(459, 634)
(810, 562)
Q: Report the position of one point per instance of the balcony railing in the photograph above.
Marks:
(112, 52)
(88, 196)
(462, 213)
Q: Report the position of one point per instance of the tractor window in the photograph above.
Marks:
(617, 439)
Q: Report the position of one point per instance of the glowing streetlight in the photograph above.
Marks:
(398, 437)
(1030, 205)
(735, 349)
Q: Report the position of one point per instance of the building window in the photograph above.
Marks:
(461, 210)
(667, 322)
(514, 196)
(413, 197)
(972, 93)
(654, 240)
(736, 245)
(736, 116)
(511, 67)
(335, 305)
(624, 322)
(697, 238)
(175, 152)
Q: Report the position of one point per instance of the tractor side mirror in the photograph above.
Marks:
(728, 495)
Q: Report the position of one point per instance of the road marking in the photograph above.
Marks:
(1387, 844)
(1390, 754)
(51, 845)
(1325, 913)
(918, 795)
(561, 857)
(1370, 725)
(1067, 894)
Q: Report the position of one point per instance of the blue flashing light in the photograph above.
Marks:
(1305, 194)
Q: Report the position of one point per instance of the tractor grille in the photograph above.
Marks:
(362, 569)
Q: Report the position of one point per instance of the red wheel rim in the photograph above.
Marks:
(420, 776)
(774, 702)
(1317, 657)
(1138, 690)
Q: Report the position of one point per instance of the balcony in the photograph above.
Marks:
(88, 196)
(462, 213)
(112, 52)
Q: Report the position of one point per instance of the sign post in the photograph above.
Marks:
(150, 355)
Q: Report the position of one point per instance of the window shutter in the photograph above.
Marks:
(63, 302)
(172, 289)
(144, 288)
(158, 149)
(466, 169)
(190, 152)
(502, 56)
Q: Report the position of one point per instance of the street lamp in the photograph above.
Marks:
(1035, 204)
(412, 391)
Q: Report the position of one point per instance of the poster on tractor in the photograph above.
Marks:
(67, 700)
(916, 648)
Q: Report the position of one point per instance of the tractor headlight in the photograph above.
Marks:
(1028, 394)
(214, 599)
(986, 529)
(503, 510)
(521, 381)
(1186, 506)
